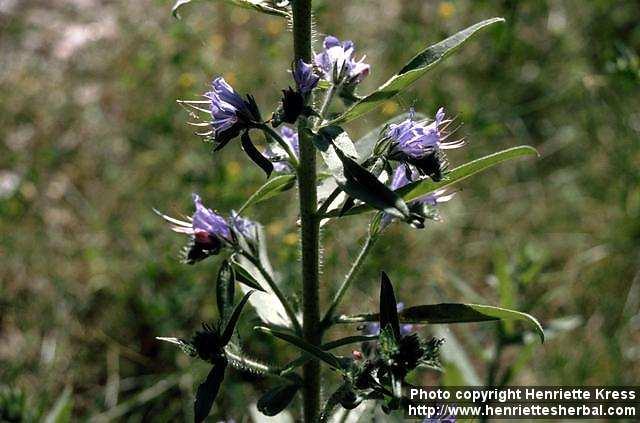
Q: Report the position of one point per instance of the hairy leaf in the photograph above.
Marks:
(225, 290)
(417, 189)
(271, 188)
(277, 399)
(264, 6)
(208, 390)
(388, 307)
(255, 156)
(300, 343)
(412, 71)
(336, 148)
(245, 276)
(233, 319)
(453, 313)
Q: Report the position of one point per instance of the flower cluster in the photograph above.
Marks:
(420, 144)
(210, 232)
(338, 64)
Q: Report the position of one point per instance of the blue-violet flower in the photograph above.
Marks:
(337, 62)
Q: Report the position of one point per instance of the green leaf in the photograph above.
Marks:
(277, 399)
(336, 147)
(255, 156)
(233, 319)
(271, 188)
(453, 313)
(225, 290)
(244, 276)
(388, 307)
(208, 390)
(412, 71)
(263, 6)
(417, 189)
(303, 345)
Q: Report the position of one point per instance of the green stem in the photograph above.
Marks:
(355, 268)
(310, 228)
(269, 132)
(326, 103)
(276, 290)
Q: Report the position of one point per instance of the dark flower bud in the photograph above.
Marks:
(207, 344)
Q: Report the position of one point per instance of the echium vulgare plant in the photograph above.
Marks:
(398, 177)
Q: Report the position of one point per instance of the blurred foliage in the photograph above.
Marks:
(91, 139)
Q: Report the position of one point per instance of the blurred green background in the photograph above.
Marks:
(91, 139)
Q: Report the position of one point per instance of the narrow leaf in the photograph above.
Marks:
(61, 411)
(453, 313)
(303, 345)
(388, 307)
(233, 319)
(244, 276)
(208, 390)
(271, 188)
(225, 290)
(253, 153)
(412, 71)
(417, 189)
(262, 6)
(277, 399)
(355, 180)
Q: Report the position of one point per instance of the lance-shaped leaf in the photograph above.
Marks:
(263, 6)
(245, 276)
(277, 399)
(233, 319)
(303, 345)
(253, 153)
(388, 307)
(271, 188)
(412, 71)
(225, 290)
(208, 390)
(336, 148)
(422, 187)
(453, 313)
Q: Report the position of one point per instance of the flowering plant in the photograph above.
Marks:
(401, 177)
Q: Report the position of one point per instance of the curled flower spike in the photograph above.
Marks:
(306, 79)
(337, 62)
(278, 156)
(209, 231)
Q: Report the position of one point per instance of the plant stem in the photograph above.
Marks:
(276, 290)
(355, 268)
(269, 132)
(310, 227)
(326, 102)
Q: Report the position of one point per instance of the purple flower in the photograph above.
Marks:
(441, 418)
(209, 231)
(230, 113)
(373, 328)
(305, 79)
(277, 155)
(418, 139)
(245, 227)
(337, 62)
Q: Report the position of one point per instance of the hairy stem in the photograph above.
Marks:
(355, 268)
(310, 227)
